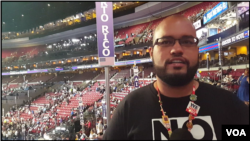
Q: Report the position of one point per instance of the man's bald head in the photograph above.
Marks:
(162, 54)
(172, 20)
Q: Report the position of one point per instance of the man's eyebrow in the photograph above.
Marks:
(188, 36)
(173, 37)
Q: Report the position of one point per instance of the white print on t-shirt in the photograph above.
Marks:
(202, 127)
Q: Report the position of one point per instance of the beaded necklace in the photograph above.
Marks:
(190, 109)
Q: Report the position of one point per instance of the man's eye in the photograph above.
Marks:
(165, 42)
(187, 42)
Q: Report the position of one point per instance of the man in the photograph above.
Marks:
(83, 135)
(72, 113)
(229, 70)
(99, 127)
(175, 58)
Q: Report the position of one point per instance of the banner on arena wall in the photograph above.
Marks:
(236, 38)
(214, 12)
(209, 47)
(105, 33)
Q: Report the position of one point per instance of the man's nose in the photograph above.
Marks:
(176, 49)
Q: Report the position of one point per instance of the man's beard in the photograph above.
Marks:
(176, 80)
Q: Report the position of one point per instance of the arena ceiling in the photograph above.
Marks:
(38, 13)
(22, 16)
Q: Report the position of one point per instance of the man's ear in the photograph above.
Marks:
(150, 49)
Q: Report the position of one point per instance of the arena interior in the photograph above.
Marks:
(50, 61)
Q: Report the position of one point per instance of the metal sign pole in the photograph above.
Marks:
(15, 101)
(220, 53)
(208, 64)
(143, 77)
(220, 58)
(106, 51)
(107, 92)
(95, 113)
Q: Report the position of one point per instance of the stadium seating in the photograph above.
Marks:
(102, 75)
(192, 11)
(84, 76)
(6, 79)
(43, 78)
(122, 74)
(60, 77)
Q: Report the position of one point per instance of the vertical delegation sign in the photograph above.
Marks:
(81, 112)
(105, 33)
(136, 76)
(135, 70)
(136, 81)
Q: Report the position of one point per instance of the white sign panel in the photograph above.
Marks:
(197, 24)
(236, 37)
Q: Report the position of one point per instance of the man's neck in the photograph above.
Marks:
(175, 92)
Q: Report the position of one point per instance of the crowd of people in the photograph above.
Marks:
(44, 118)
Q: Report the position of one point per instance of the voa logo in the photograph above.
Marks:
(236, 132)
(202, 128)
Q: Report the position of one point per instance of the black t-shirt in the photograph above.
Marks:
(138, 116)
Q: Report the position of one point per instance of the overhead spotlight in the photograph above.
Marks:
(85, 37)
(48, 4)
(22, 15)
(75, 40)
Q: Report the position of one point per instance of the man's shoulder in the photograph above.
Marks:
(214, 89)
(216, 92)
